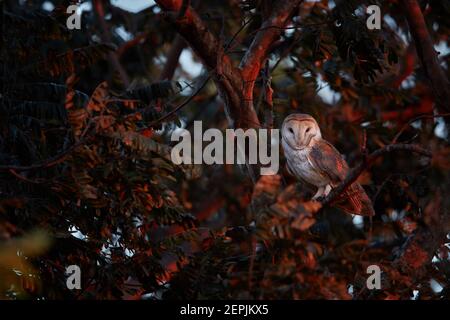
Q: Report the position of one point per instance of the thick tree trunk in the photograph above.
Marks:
(235, 84)
(427, 55)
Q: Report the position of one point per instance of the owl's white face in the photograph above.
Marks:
(300, 131)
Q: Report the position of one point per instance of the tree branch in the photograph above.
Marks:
(209, 49)
(368, 161)
(193, 29)
(138, 39)
(50, 162)
(270, 30)
(427, 55)
(423, 116)
(172, 58)
(235, 84)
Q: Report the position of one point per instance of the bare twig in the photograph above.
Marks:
(368, 161)
(184, 103)
(50, 162)
(23, 178)
(138, 39)
(424, 116)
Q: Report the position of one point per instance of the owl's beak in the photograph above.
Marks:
(308, 141)
(305, 138)
(293, 146)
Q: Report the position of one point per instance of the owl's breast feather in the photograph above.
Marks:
(302, 168)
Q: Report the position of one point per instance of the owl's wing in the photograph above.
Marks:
(328, 161)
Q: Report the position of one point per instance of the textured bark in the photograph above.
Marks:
(270, 30)
(427, 55)
(235, 84)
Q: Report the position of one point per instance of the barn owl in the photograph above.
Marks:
(314, 160)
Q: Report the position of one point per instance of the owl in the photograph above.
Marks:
(314, 160)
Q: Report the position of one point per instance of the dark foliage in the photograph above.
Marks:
(86, 177)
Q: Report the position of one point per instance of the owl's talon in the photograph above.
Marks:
(318, 194)
(320, 199)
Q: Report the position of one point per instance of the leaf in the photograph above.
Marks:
(97, 100)
(69, 62)
(77, 119)
(303, 222)
(157, 90)
(89, 192)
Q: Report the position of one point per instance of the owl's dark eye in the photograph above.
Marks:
(291, 130)
(307, 130)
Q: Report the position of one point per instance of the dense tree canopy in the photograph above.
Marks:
(86, 176)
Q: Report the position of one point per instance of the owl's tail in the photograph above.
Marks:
(356, 201)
